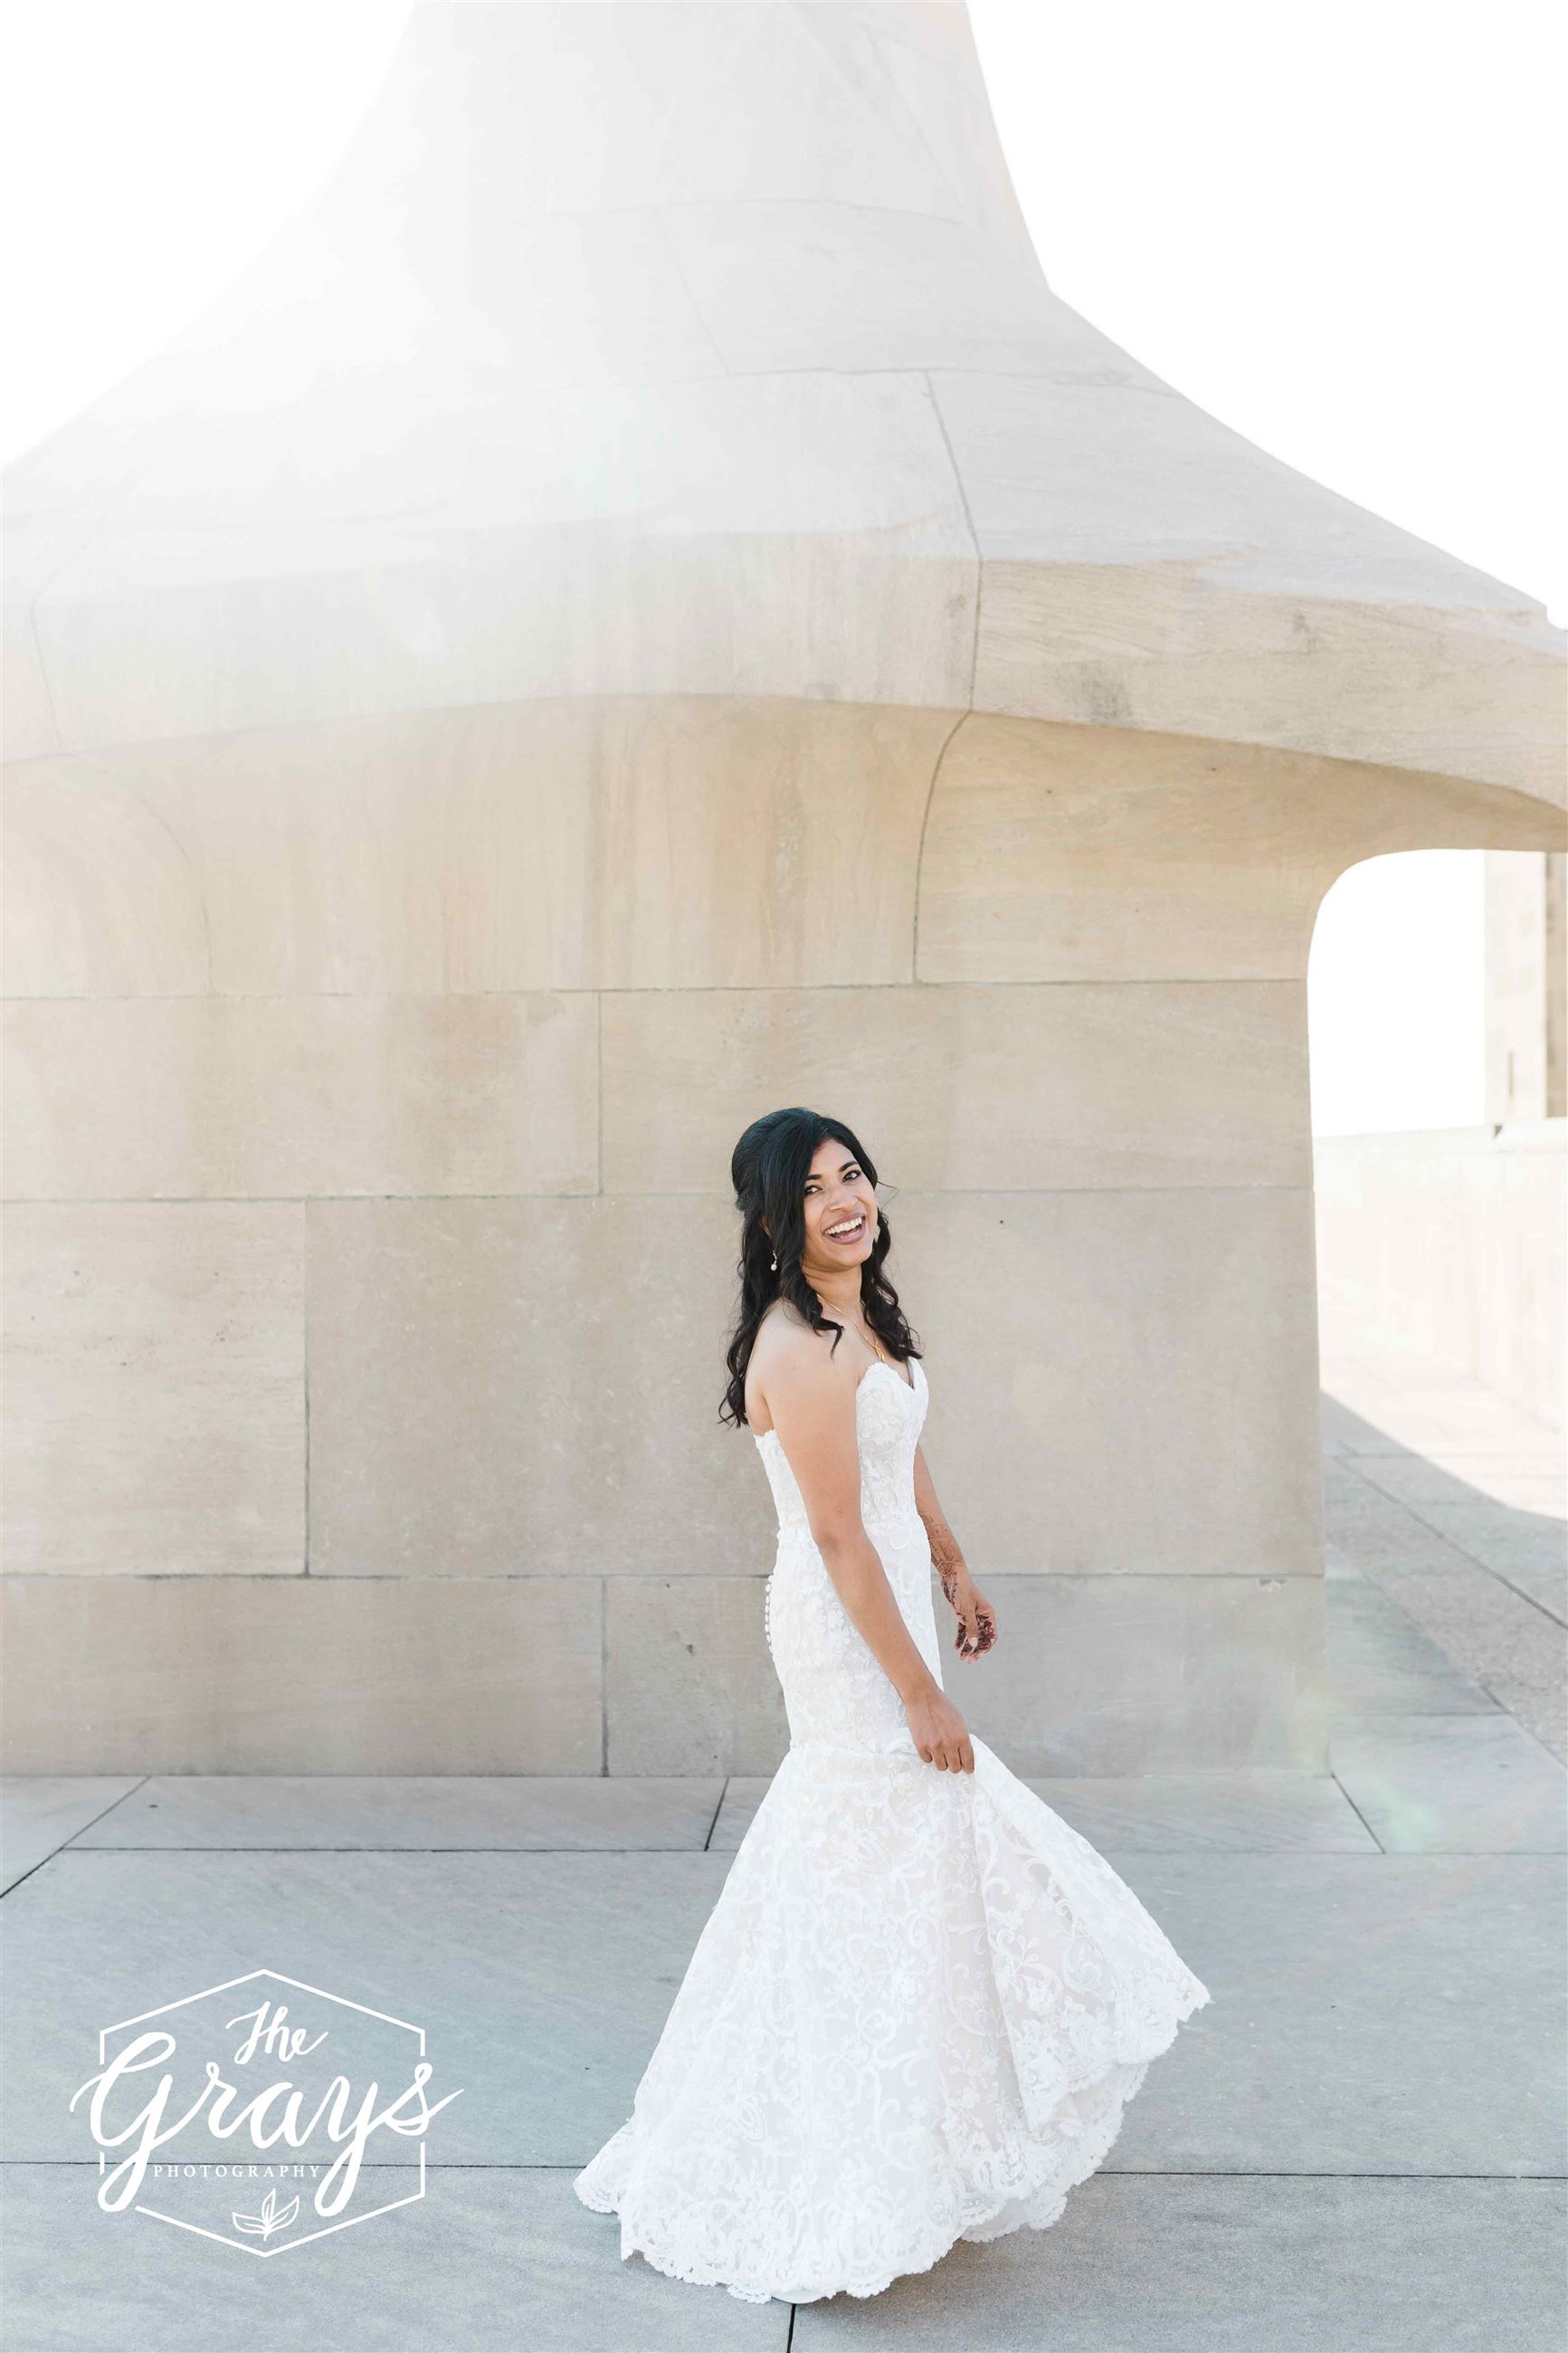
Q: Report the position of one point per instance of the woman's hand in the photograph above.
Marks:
(939, 1732)
(976, 1619)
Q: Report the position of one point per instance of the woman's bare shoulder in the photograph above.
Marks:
(786, 1349)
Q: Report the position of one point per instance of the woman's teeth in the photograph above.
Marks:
(847, 1233)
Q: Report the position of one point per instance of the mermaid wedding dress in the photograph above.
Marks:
(921, 2000)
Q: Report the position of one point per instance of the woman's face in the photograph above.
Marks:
(839, 1208)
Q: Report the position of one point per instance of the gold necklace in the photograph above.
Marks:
(863, 1328)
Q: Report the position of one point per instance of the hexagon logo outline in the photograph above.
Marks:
(268, 2222)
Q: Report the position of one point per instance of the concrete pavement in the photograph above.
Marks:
(1358, 2147)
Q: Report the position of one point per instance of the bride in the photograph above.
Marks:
(921, 2001)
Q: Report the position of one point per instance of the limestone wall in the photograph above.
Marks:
(370, 1254)
(1454, 1243)
(639, 607)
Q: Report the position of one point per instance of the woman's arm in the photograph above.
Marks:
(976, 1619)
(812, 1403)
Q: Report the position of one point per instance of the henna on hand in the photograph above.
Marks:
(976, 1625)
(976, 1621)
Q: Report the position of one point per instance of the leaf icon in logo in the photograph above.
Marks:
(262, 2225)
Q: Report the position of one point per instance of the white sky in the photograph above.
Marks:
(1334, 228)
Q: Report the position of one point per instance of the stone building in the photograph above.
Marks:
(1527, 986)
(642, 606)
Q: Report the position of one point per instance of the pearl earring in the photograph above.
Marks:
(775, 1262)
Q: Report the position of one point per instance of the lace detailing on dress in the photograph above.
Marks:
(835, 1692)
(889, 1433)
(921, 2001)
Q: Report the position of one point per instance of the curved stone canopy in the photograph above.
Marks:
(640, 607)
(702, 350)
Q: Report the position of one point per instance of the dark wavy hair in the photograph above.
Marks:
(769, 1168)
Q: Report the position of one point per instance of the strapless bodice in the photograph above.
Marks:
(889, 1416)
(835, 1692)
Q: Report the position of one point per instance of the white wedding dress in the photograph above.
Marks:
(921, 2000)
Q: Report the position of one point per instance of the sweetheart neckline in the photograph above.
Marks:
(880, 1365)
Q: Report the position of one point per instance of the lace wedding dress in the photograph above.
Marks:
(921, 2000)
